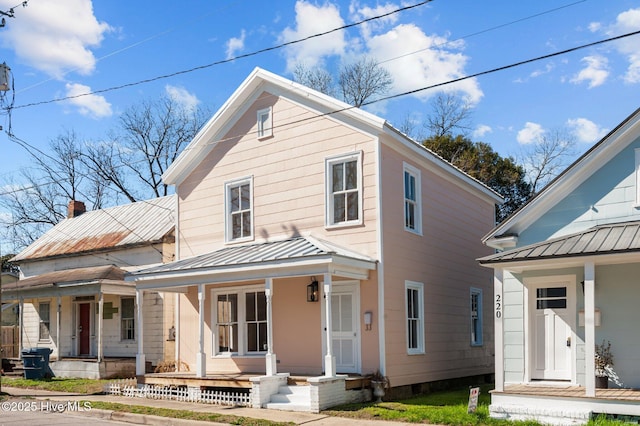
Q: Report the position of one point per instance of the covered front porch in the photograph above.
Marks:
(254, 316)
(77, 314)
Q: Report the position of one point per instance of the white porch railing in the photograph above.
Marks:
(129, 388)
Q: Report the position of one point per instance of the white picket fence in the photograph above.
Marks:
(129, 388)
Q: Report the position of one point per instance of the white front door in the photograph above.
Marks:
(552, 323)
(344, 331)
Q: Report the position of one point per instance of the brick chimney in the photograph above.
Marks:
(75, 208)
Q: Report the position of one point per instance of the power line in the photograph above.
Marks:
(224, 61)
(301, 121)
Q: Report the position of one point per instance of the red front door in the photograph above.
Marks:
(84, 329)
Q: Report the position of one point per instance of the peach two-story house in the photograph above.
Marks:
(313, 239)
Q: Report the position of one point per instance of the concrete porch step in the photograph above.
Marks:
(291, 398)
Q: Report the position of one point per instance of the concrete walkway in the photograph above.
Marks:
(273, 415)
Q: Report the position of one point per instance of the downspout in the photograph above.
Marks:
(381, 325)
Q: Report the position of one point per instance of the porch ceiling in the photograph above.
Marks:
(292, 257)
(610, 243)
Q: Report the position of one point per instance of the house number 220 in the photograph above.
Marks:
(498, 306)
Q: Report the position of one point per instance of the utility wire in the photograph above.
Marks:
(224, 61)
(301, 121)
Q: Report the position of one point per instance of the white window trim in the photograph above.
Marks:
(330, 161)
(412, 285)
(479, 340)
(228, 223)
(122, 318)
(41, 321)
(263, 132)
(407, 168)
(242, 323)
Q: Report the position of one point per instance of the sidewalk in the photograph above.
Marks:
(273, 415)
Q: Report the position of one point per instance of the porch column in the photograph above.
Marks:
(498, 280)
(58, 324)
(201, 357)
(140, 358)
(329, 359)
(177, 326)
(100, 325)
(270, 357)
(589, 329)
(21, 323)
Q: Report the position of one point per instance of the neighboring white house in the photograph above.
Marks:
(566, 280)
(73, 297)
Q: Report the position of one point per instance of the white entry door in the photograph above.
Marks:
(344, 330)
(552, 322)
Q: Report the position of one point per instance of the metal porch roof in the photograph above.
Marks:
(296, 248)
(613, 238)
(109, 273)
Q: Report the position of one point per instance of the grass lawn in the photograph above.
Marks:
(446, 407)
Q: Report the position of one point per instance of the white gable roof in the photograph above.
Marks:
(578, 172)
(259, 81)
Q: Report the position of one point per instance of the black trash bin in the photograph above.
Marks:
(36, 363)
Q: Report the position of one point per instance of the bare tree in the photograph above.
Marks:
(547, 156)
(40, 199)
(150, 136)
(315, 78)
(363, 79)
(450, 113)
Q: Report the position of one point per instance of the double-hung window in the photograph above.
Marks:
(240, 322)
(344, 190)
(412, 202)
(127, 318)
(239, 210)
(265, 123)
(44, 311)
(415, 317)
(476, 317)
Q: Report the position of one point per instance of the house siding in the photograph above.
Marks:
(288, 172)
(607, 196)
(443, 259)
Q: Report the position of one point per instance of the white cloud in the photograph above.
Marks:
(311, 19)
(183, 97)
(585, 131)
(596, 71)
(359, 13)
(426, 62)
(54, 36)
(530, 133)
(235, 44)
(481, 131)
(626, 22)
(93, 106)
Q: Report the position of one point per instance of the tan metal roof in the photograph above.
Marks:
(611, 238)
(115, 227)
(69, 276)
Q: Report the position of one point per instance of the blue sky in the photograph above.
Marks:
(57, 48)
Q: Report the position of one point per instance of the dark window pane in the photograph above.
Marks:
(352, 203)
(552, 292)
(246, 197)
(552, 303)
(351, 175)
(252, 337)
(262, 338)
(338, 208)
(250, 304)
(261, 305)
(338, 177)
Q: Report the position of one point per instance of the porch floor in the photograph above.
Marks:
(571, 391)
(231, 380)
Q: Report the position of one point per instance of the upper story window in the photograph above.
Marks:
(415, 317)
(265, 123)
(344, 190)
(44, 311)
(412, 201)
(239, 209)
(476, 317)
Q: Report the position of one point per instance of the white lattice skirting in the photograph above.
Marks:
(128, 388)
